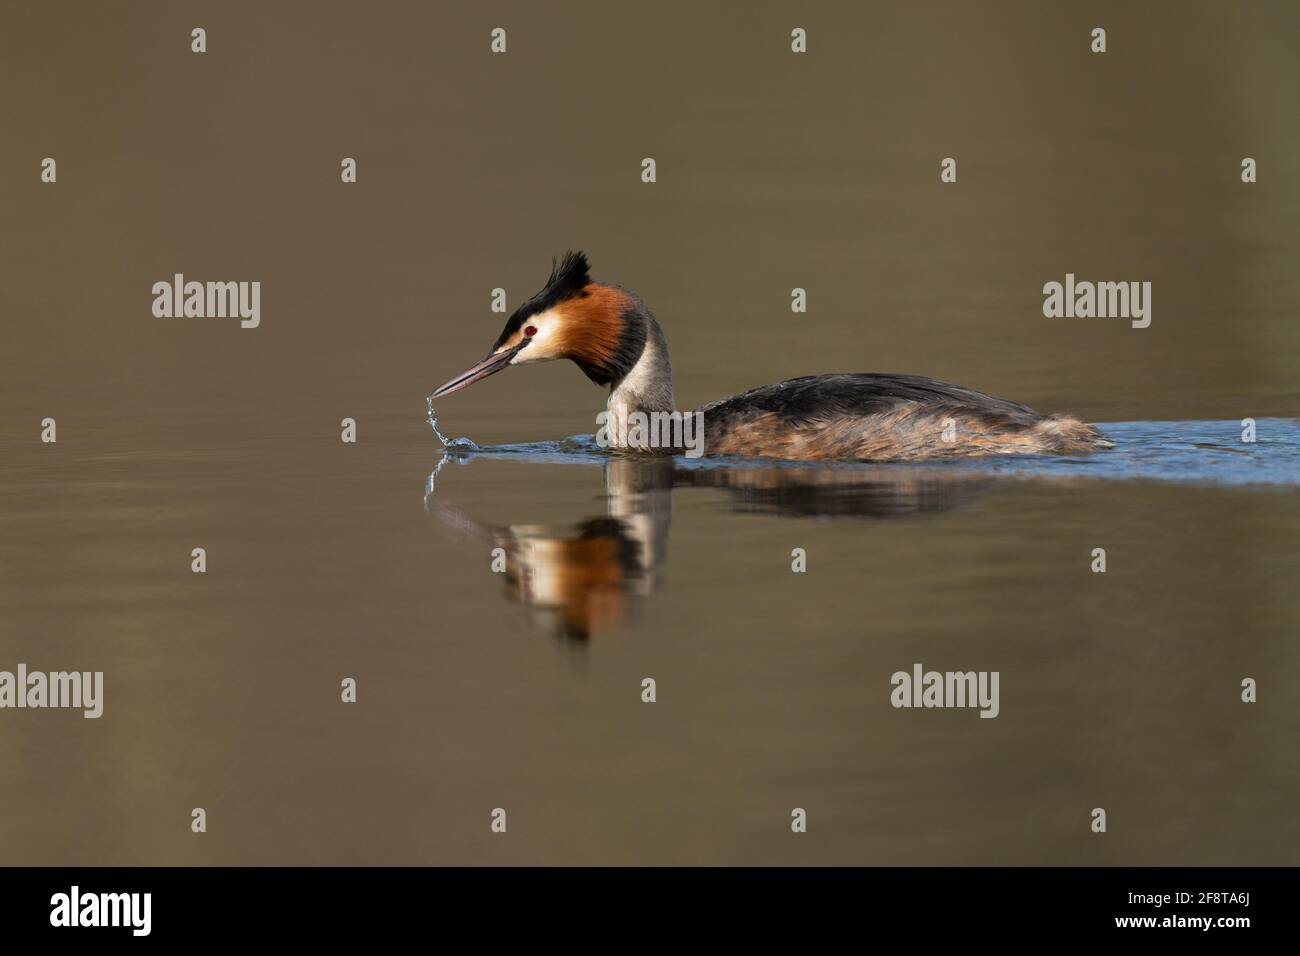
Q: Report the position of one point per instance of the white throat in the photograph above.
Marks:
(647, 387)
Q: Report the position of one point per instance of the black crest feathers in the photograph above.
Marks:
(570, 274)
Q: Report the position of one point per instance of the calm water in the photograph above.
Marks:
(522, 689)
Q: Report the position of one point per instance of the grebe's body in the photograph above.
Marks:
(615, 339)
(873, 417)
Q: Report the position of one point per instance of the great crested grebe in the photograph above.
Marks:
(615, 339)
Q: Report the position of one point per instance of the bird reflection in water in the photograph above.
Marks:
(579, 579)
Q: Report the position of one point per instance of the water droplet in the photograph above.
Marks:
(453, 444)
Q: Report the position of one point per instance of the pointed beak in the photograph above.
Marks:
(489, 366)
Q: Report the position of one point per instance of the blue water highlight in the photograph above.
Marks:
(1185, 452)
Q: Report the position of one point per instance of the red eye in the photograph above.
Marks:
(530, 331)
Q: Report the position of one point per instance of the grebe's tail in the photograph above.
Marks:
(1065, 434)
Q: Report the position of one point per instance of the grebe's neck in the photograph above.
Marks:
(648, 385)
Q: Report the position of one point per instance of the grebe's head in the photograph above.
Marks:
(601, 328)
